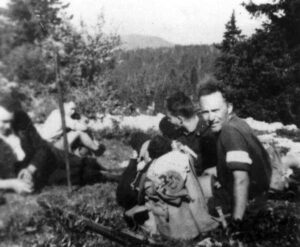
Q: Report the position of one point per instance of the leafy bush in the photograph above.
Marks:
(27, 62)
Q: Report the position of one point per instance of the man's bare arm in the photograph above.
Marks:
(240, 193)
(16, 185)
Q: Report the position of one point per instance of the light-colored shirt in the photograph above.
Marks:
(52, 128)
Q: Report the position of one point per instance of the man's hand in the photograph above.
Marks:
(26, 174)
(176, 145)
(20, 186)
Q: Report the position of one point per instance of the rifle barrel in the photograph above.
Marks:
(124, 238)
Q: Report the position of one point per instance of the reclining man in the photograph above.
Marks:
(52, 130)
(22, 149)
(26, 160)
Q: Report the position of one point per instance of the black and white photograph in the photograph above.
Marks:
(149, 123)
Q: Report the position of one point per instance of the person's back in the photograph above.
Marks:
(52, 127)
(80, 139)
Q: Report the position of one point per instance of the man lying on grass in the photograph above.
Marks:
(23, 152)
(27, 162)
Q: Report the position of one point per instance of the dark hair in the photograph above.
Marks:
(213, 86)
(169, 130)
(179, 104)
(137, 139)
(10, 103)
(159, 146)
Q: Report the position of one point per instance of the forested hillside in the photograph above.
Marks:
(260, 71)
(146, 75)
(136, 41)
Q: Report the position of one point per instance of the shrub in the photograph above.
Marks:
(27, 62)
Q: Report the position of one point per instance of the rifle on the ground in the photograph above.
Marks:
(82, 224)
(125, 238)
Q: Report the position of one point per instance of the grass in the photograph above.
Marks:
(24, 223)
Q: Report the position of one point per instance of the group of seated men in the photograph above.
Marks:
(31, 159)
(232, 165)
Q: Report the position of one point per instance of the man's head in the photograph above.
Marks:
(168, 129)
(179, 109)
(8, 107)
(159, 146)
(137, 139)
(70, 108)
(215, 108)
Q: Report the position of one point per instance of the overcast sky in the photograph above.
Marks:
(178, 21)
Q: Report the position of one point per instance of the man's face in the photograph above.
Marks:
(6, 119)
(215, 110)
(70, 108)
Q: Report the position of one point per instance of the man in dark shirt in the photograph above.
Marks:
(191, 131)
(243, 165)
(28, 150)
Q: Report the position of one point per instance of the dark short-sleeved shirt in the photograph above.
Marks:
(203, 143)
(37, 151)
(239, 149)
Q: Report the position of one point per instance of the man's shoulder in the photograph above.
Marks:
(54, 113)
(53, 117)
(235, 129)
(21, 121)
(236, 124)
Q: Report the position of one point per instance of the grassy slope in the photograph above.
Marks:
(24, 223)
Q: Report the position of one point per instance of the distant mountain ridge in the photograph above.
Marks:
(136, 41)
